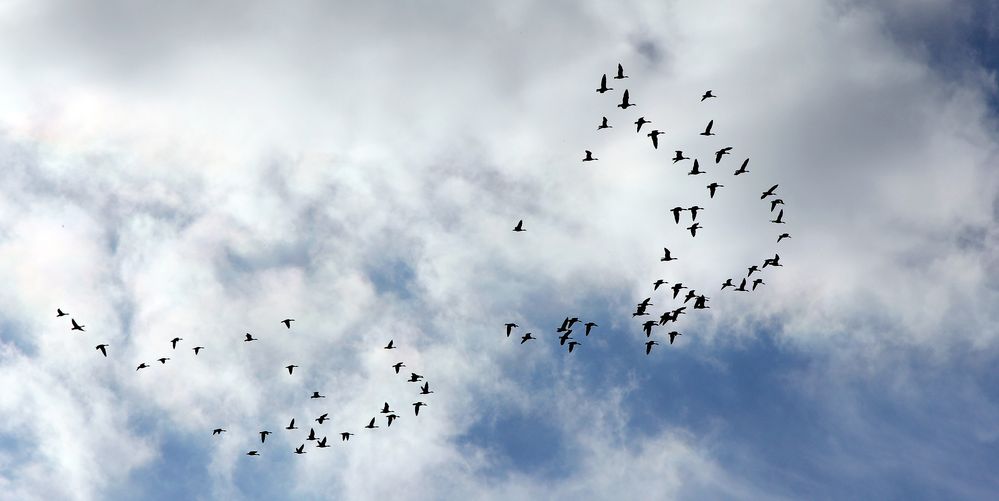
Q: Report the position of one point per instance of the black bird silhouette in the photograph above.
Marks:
(345, 436)
(141, 366)
(640, 122)
(648, 346)
(291, 425)
(589, 156)
(290, 368)
(679, 311)
(287, 322)
(316, 394)
(775, 202)
(666, 255)
(564, 327)
(772, 262)
(300, 449)
(701, 303)
(655, 137)
(526, 337)
(322, 443)
(312, 434)
(712, 187)
(249, 338)
(416, 407)
(572, 321)
(390, 345)
(693, 229)
(620, 72)
(647, 327)
(742, 169)
(385, 408)
(103, 349)
(59, 313)
(425, 389)
(657, 283)
(263, 435)
(707, 130)
(253, 453)
(695, 170)
(782, 236)
(76, 326)
(218, 431)
(323, 418)
(589, 325)
(603, 85)
(391, 417)
(163, 360)
(751, 270)
(624, 101)
(414, 377)
(603, 124)
(707, 95)
(728, 283)
(509, 328)
(741, 287)
(673, 335)
(722, 152)
(757, 282)
(564, 337)
(666, 317)
(679, 156)
(371, 424)
(573, 344)
(646, 302)
(691, 294)
(640, 311)
(397, 366)
(676, 288)
(780, 218)
(676, 213)
(693, 212)
(174, 341)
(197, 349)
(769, 192)
(520, 226)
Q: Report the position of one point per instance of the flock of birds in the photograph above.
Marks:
(321, 442)
(700, 301)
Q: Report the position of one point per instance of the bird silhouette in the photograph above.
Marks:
(775, 202)
(397, 366)
(676, 213)
(253, 453)
(740, 288)
(300, 449)
(345, 436)
(526, 337)
(103, 349)
(769, 192)
(620, 72)
(263, 435)
(163, 360)
(564, 327)
(757, 282)
(728, 283)
(312, 434)
(197, 349)
(218, 431)
(640, 311)
(673, 335)
(416, 407)
(290, 368)
(679, 156)
(316, 394)
(647, 327)
(425, 389)
(291, 425)
(666, 317)
(287, 322)
(742, 169)
(707, 130)
(701, 303)
(666, 255)
(509, 328)
(780, 218)
(414, 377)
(649, 345)
(693, 212)
(174, 341)
(657, 283)
(646, 302)
(141, 366)
(707, 95)
(603, 85)
(722, 152)
(564, 337)
(391, 417)
(520, 226)
(371, 425)
(693, 229)
(640, 122)
(655, 137)
(624, 101)
(390, 345)
(573, 344)
(712, 187)
(60, 313)
(323, 418)
(772, 262)
(752, 269)
(782, 236)
(695, 170)
(589, 156)
(603, 124)
(321, 444)
(676, 288)
(589, 326)
(76, 326)
(385, 409)
(249, 338)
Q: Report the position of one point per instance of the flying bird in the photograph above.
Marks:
(655, 137)
(76, 326)
(624, 101)
(397, 366)
(371, 424)
(174, 341)
(103, 349)
(425, 389)
(752, 269)
(707, 95)
(391, 417)
(782, 236)
(707, 130)
(728, 283)
(416, 407)
(290, 368)
(197, 349)
(218, 431)
(589, 325)
(60, 313)
(693, 229)
(316, 394)
(693, 212)
(526, 337)
(640, 122)
(640, 311)
(322, 443)
(691, 294)
(620, 72)
(603, 85)
(646, 302)
(740, 288)
(657, 283)
(775, 202)
(695, 170)
(520, 226)
(742, 169)
(673, 335)
(163, 360)
(323, 418)
(263, 435)
(564, 327)
(414, 377)
(647, 327)
(509, 328)
(291, 425)
(589, 156)
(780, 216)
(679, 156)
(300, 449)
(666, 255)
(701, 303)
(141, 366)
(758, 281)
(564, 337)
(312, 434)
(249, 338)
(287, 322)
(722, 152)
(676, 288)
(385, 409)
(345, 436)
(573, 344)
(712, 187)
(676, 213)
(390, 346)
(253, 453)
(603, 124)
(769, 192)
(648, 346)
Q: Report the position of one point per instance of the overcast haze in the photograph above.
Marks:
(206, 169)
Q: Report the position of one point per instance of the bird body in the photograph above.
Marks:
(76, 326)
(103, 349)
(722, 152)
(425, 389)
(695, 170)
(625, 104)
(712, 187)
(520, 226)
(589, 156)
(287, 322)
(60, 313)
(390, 345)
(526, 338)
(620, 72)
(573, 344)
(249, 338)
(742, 169)
(707, 130)
(323, 418)
(693, 229)
(679, 156)
(640, 122)
(667, 256)
(290, 368)
(649, 345)
(603, 85)
(769, 192)
(197, 349)
(604, 125)
(400, 365)
(707, 95)
(780, 218)
(416, 407)
(371, 424)
(655, 137)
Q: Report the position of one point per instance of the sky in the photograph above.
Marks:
(206, 169)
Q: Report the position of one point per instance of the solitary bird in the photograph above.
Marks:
(520, 226)
(103, 349)
(679, 156)
(691, 294)
(197, 349)
(707, 130)
(345, 436)
(666, 256)
(676, 288)
(425, 389)
(707, 95)
(60, 313)
(693, 212)
(649, 345)
(752, 269)
(141, 366)
(371, 424)
(163, 360)
(573, 344)
(300, 449)
(624, 101)
(312, 434)
(740, 288)
(603, 124)
(589, 325)
(603, 85)
(647, 327)
(322, 443)
(769, 192)
(673, 335)
(253, 453)
(775, 202)
(620, 72)
(757, 282)
(782, 236)
(218, 431)
(646, 302)
(390, 346)
(291, 425)
(316, 394)
(391, 417)
(589, 156)
(416, 407)
(676, 213)
(701, 303)
(249, 338)
(780, 218)
(414, 377)
(323, 418)
(695, 170)
(287, 322)
(722, 152)
(174, 341)
(263, 435)
(640, 122)
(693, 229)
(509, 328)
(397, 366)
(728, 283)
(640, 311)
(385, 409)
(742, 169)
(76, 326)
(290, 368)
(657, 283)
(712, 187)
(526, 337)
(655, 137)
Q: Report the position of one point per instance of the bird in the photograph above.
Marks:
(371, 425)
(174, 341)
(647, 327)
(673, 335)
(775, 202)
(573, 344)
(693, 229)
(589, 156)
(676, 213)
(323, 418)
(712, 187)
(291, 425)
(526, 337)
(322, 443)
(679, 311)
(620, 72)
(564, 327)
(657, 283)
(316, 394)
(391, 417)
(722, 152)
(752, 269)
(290, 368)
(218, 431)
(728, 283)
(509, 328)
(775, 261)
(707, 130)
(163, 360)
(287, 322)
(141, 366)
(769, 192)
(603, 124)
(666, 317)
(103, 349)
(741, 287)
(414, 377)
(707, 95)
(312, 434)
(655, 137)
(640, 311)
(758, 281)
(693, 212)
(646, 302)
(300, 449)
(390, 346)
(648, 346)
(666, 256)
(701, 303)
(76, 326)
(520, 226)
(60, 313)
(425, 389)
(676, 288)
(416, 407)
(197, 349)
(603, 85)
(572, 321)
(252, 453)
(640, 122)
(345, 436)
(679, 156)
(589, 325)
(385, 409)
(624, 101)
(249, 338)
(564, 337)
(782, 236)
(263, 435)
(691, 294)
(695, 169)
(742, 169)
(780, 216)
(397, 366)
